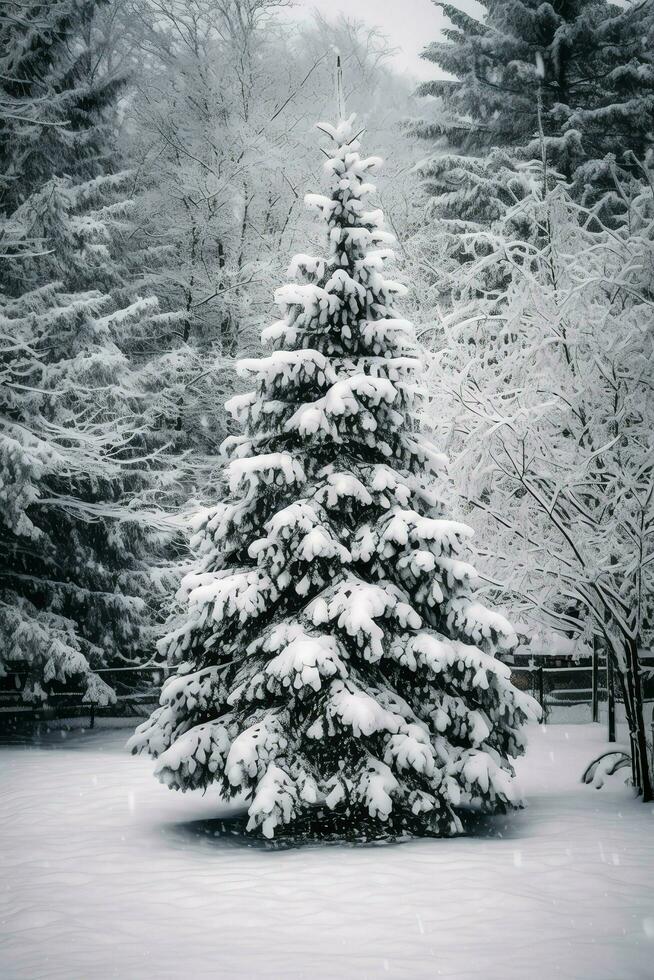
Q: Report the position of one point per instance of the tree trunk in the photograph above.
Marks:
(595, 680)
(637, 734)
(610, 698)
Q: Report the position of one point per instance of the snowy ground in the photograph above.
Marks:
(103, 873)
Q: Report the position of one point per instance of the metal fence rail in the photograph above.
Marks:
(552, 687)
(569, 687)
(133, 697)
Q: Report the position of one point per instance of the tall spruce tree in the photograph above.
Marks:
(334, 664)
(73, 577)
(567, 83)
(56, 99)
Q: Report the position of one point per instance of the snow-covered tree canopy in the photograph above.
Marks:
(75, 444)
(576, 77)
(334, 664)
(78, 428)
(56, 102)
(551, 433)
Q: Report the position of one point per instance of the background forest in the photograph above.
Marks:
(153, 162)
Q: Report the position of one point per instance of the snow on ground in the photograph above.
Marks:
(105, 873)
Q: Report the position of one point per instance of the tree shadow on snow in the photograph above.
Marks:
(497, 826)
(231, 833)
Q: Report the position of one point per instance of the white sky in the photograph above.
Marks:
(409, 24)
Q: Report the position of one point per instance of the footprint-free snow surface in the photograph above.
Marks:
(106, 873)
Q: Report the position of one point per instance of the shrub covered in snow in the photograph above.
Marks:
(334, 664)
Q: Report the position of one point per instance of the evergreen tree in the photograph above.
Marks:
(570, 84)
(75, 444)
(581, 71)
(333, 662)
(75, 419)
(540, 92)
(56, 101)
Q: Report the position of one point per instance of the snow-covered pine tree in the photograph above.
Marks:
(334, 665)
(76, 425)
(56, 96)
(76, 444)
(573, 81)
(528, 92)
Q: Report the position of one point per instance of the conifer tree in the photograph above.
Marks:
(56, 99)
(74, 423)
(76, 444)
(333, 663)
(568, 83)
